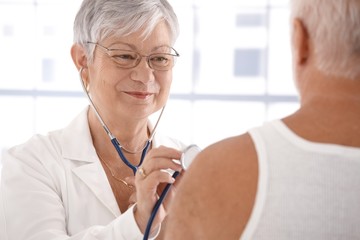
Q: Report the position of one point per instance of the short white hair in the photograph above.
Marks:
(334, 27)
(98, 19)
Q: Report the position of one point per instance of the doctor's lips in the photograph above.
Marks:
(140, 95)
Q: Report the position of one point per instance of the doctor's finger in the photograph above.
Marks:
(170, 195)
(153, 180)
(163, 153)
(158, 164)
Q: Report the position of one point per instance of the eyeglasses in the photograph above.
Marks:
(161, 61)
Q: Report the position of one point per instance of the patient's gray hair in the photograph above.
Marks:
(334, 26)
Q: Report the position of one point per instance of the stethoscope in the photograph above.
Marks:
(186, 157)
(113, 139)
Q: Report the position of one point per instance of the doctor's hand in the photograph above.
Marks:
(150, 180)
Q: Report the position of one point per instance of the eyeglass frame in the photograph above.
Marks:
(140, 56)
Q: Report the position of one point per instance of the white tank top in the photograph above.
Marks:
(306, 190)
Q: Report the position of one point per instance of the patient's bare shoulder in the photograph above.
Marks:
(217, 192)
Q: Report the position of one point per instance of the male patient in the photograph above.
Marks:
(294, 178)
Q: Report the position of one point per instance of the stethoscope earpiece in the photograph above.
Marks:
(85, 86)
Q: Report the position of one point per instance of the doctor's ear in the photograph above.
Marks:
(84, 80)
(79, 57)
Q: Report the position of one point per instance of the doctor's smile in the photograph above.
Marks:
(140, 95)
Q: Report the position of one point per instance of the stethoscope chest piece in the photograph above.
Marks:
(188, 155)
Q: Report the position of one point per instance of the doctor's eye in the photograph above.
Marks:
(124, 57)
(160, 59)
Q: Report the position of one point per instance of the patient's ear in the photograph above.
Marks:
(300, 42)
(78, 55)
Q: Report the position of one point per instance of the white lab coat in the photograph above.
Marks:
(54, 187)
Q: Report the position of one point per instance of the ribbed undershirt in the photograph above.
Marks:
(306, 190)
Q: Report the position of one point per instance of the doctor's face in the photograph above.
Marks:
(131, 76)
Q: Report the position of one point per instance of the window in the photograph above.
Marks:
(250, 20)
(234, 71)
(248, 63)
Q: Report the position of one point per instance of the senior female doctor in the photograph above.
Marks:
(99, 177)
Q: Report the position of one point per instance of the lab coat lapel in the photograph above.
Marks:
(94, 177)
(78, 148)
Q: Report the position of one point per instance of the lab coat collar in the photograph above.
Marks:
(76, 140)
(77, 145)
(81, 147)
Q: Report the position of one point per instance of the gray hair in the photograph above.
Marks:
(98, 19)
(334, 27)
